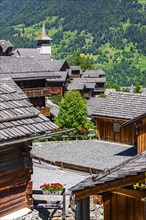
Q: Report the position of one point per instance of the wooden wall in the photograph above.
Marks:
(15, 176)
(120, 207)
(141, 139)
(105, 131)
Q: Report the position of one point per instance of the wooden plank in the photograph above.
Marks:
(107, 206)
(130, 206)
(139, 210)
(109, 186)
(136, 194)
(9, 200)
(121, 207)
(13, 208)
(114, 205)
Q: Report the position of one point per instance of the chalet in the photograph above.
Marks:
(121, 201)
(33, 78)
(139, 123)
(98, 77)
(87, 86)
(5, 48)
(115, 110)
(20, 123)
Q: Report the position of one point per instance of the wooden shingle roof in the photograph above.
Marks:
(106, 180)
(121, 105)
(18, 118)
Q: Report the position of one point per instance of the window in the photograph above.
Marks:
(116, 127)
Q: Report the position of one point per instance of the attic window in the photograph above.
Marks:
(116, 127)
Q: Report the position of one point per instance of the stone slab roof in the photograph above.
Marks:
(31, 52)
(131, 167)
(13, 64)
(10, 83)
(90, 153)
(121, 105)
(60, 77)
(136, 119)
(53, 65)
(18, 118)
(75, 67)
(92, 103)
(93, 73)
(5, 45)
(80, 83)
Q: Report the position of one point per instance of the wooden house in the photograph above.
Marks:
(87, 86)
(115, 110)
(19, 121)
(139, 123)
(35, 79)
(5, 48)
(120, 200)
(98, 77)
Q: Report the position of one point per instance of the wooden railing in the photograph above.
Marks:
(47, 91)
(33, 92)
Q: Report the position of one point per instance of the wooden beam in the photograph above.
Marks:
(136, 194)
(109, 186)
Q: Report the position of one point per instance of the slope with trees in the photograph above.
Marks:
(111, 34)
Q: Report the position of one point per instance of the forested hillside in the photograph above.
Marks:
(112, 33)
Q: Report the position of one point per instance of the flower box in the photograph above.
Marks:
(52, 189)
(45, 192)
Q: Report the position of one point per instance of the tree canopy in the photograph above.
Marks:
(73, 113)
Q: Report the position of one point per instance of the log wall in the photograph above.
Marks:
(141, 141)
(105, 131)
(122, 207)
(15, 179)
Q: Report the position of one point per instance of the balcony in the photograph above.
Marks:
(35, 92)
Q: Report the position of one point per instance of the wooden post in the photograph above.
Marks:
(86, 208)
(82, 210)
(64, 206)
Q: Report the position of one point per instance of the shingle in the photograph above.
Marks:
(18, 117)
(121, 105)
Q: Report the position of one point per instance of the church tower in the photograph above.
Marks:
(44, 42)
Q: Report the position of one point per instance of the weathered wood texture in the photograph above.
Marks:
(122, 207)
(141, 139)
(105, 131)
(15, 174)
(82, 210)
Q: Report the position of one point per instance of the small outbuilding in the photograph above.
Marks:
(120, 108)
(116, 185)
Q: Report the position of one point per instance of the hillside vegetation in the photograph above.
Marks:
(112, 33)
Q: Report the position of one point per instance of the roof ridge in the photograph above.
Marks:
(106, 172)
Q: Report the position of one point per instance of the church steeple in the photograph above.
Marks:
(44, 42)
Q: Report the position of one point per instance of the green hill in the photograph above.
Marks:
(112, 33)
